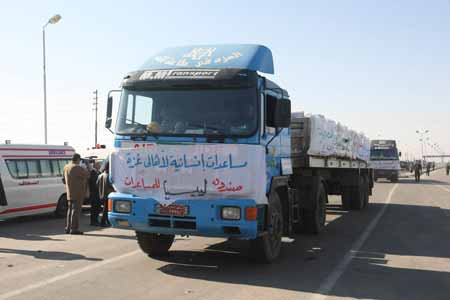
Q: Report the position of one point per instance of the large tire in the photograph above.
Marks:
(267, 248)
(314, 220)
(61, 207)
(154, 244)
(366, 191)
(357, 201)
(394, 178)
(346, 196)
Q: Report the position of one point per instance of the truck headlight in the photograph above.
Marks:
(122, 206)
(231, 213)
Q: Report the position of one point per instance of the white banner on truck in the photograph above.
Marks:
(168, 173)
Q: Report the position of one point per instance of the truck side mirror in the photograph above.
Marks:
(109, 108)
(108, 123)
(278, 112)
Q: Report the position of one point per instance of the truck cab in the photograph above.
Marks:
(385, 159)
(224, 129)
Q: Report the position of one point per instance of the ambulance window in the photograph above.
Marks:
(55, 167)
(33, 168)
(12, 168)
(62, 164)
(22, 171)
(46, 168)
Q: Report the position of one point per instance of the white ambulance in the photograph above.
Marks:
(31, 179)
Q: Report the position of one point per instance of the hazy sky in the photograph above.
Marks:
(381, 67)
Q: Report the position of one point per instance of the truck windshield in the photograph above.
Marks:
(384, 154)
(204, 112)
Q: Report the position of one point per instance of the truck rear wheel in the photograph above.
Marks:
(353, 197)
(366, 191)
(357, 201)
(314, 220)
(346, 196)
(154, 244)
(267, 248)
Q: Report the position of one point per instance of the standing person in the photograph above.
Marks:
(428, 169)
(448, 168)
(94, 197)
(417, 170)
(75, 177)
(104, 189)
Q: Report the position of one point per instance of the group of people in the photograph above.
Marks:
(417, 169)
(78, 180)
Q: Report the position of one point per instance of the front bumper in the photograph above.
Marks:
(378, 173)
(203, 219)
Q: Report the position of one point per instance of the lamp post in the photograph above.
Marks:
(53, 20)
(421, 139)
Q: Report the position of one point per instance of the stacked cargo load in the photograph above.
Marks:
(317, 136)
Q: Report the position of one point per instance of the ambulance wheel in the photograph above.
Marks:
(267, 248)
(61, 207)
(154, 244)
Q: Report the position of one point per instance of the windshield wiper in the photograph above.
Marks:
(204, 126)
(134, 122)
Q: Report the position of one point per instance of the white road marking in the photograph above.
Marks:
(330, 281)
(65, 276)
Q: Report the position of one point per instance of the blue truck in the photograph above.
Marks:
(207, 146)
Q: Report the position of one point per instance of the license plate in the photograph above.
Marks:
(172, 210)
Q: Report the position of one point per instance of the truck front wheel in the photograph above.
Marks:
(267, 248)
(394, 178)
(154, 244)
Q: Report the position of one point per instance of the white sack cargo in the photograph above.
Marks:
(328, 138)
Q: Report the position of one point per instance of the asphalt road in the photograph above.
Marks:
(399, 248)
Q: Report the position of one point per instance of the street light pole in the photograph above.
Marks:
(96, 114)
(45, 85)
(421, 134)
(53, 20)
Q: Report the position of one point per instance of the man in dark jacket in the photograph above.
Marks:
(94, 197)
(417, 171)
(104, 189)
(75, 177)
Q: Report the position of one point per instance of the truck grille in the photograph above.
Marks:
(189, 223)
